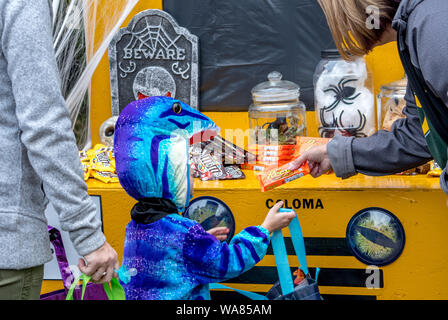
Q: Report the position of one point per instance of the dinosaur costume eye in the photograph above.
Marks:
(177, 108)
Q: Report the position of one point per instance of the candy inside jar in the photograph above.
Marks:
(277, 117)
(278, 129)
(391, 103)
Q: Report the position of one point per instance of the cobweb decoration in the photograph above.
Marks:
(76, 23)
(151, 37)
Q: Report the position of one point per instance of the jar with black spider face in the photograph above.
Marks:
(277, 116)
(343, 95)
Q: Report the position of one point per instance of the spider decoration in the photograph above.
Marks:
(277, 124)
(343, 93)
(328, 129)
(278, 130)
(354, 131)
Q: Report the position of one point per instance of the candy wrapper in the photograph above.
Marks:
(435, 169)
(274, 159)
(228, 152)
(306, 143)
(99, 163)
(423, 169)
(106, 177)
(234, 172)
(209, 167)
(280, 148)
(207, 160)
(257, 167)
(87, 170)
(84, 157)
(269, 156)
(102, 158)
(277, 177)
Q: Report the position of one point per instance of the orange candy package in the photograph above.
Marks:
(306, 143)
(276, 177)
(279, 176)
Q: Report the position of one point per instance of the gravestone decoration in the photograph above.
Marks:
(153, 56)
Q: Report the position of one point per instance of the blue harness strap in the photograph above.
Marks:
(281, 256)
(250, 295)
(299, 244)
(281, 259)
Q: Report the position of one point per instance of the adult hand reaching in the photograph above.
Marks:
(317, 158)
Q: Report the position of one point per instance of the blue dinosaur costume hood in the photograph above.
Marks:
(151, 144)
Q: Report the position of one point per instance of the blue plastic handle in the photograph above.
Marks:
(125, 275)
(297, 241)
(250, 295)
(281, 259)
(298, 244)
(281, 256)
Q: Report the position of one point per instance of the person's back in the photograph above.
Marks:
(38, 153)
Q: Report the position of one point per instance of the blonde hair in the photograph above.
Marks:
(348, 22)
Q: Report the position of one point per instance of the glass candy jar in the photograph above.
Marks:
(344, 99)
(277, 116)
(390, 102)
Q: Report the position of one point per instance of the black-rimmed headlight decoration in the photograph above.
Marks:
(375, 236)
(211, 212)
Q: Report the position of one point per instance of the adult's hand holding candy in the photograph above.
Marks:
(318, 161)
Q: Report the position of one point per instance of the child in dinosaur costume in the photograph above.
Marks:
(175, 257)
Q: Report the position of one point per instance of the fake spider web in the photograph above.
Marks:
(151, 37)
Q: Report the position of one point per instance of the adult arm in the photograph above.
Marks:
(428, 43)
(43, 119)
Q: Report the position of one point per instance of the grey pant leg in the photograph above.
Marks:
(23, 284)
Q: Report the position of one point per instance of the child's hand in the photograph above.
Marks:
(277, 220)
(220, 233)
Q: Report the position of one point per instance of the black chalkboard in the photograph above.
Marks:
(241, 41)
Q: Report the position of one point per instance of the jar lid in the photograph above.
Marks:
(330, 54)
(275, 89)
(399, 85)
